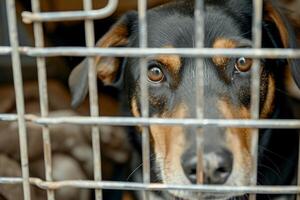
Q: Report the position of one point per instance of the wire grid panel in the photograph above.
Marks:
(199, 52)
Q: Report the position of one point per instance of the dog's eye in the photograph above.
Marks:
(243, 64)
(155, 73)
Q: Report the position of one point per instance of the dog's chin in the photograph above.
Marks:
(237, 178)
(217, 197)
(187, 195)
(207, 196)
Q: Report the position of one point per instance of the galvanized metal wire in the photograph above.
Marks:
(29, 17)
(93, 97)
(140, 121)
(143, 43)
(18, 83)
(199, 82)
(154, 186)
(142, 52)
(255, 86)
(43, 94)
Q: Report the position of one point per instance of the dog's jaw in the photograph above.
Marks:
(173, 174)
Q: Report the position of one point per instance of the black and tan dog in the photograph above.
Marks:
(227, 159)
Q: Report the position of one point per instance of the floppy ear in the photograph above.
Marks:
(287, 36)
(108, 68)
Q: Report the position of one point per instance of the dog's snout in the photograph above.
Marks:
(190, 169)
(217, 167)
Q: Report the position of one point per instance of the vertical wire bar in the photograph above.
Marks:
(18, 84)
(199, 38)
(142, 8)
(93, 95)
(43, 91)
(298, 175)
(255, 85)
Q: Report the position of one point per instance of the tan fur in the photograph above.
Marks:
(274, 16)
(171, 62)
(134, 108)
(269, 102)
(290, 84)
(230, 112)
(107, 67)
(238, 139)
(169, 139)
(118, 35)
(169, 145)
(222, 61)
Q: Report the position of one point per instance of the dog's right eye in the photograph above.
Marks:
(155, 74)
(243, 64)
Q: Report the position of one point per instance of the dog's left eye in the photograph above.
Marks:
(243, 64)
(155, 74)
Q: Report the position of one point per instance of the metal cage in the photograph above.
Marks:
(88, 15)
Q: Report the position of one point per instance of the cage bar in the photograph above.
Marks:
(143, 43)
(142, 52)
(43, 93)
(93, 94)
(199, 40)
(298, 175)
(133, 121)
(110, 8)
(255, 86)
(19, 93)
(154, 187)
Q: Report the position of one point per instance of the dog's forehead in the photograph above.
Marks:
(173, 30)
(177, 29)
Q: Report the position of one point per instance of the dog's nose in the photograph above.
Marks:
(217, 167)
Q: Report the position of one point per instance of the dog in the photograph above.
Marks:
(171, 80)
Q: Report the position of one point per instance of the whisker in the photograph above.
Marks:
(131, 174)
(272, 152)
(271, 169)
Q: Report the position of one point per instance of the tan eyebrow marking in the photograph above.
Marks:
(222, 61)
(171, 62)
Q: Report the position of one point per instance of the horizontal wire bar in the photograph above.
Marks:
(142, 52)
(154, 186)
(110, 8)
(5, 50)
(135, 121)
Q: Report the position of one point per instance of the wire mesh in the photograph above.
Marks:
(88, 15)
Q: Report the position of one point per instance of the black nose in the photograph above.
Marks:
(217, 167)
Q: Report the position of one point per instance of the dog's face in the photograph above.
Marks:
(172, 80)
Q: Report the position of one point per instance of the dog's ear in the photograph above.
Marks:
(283, 37)
(108, 68)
